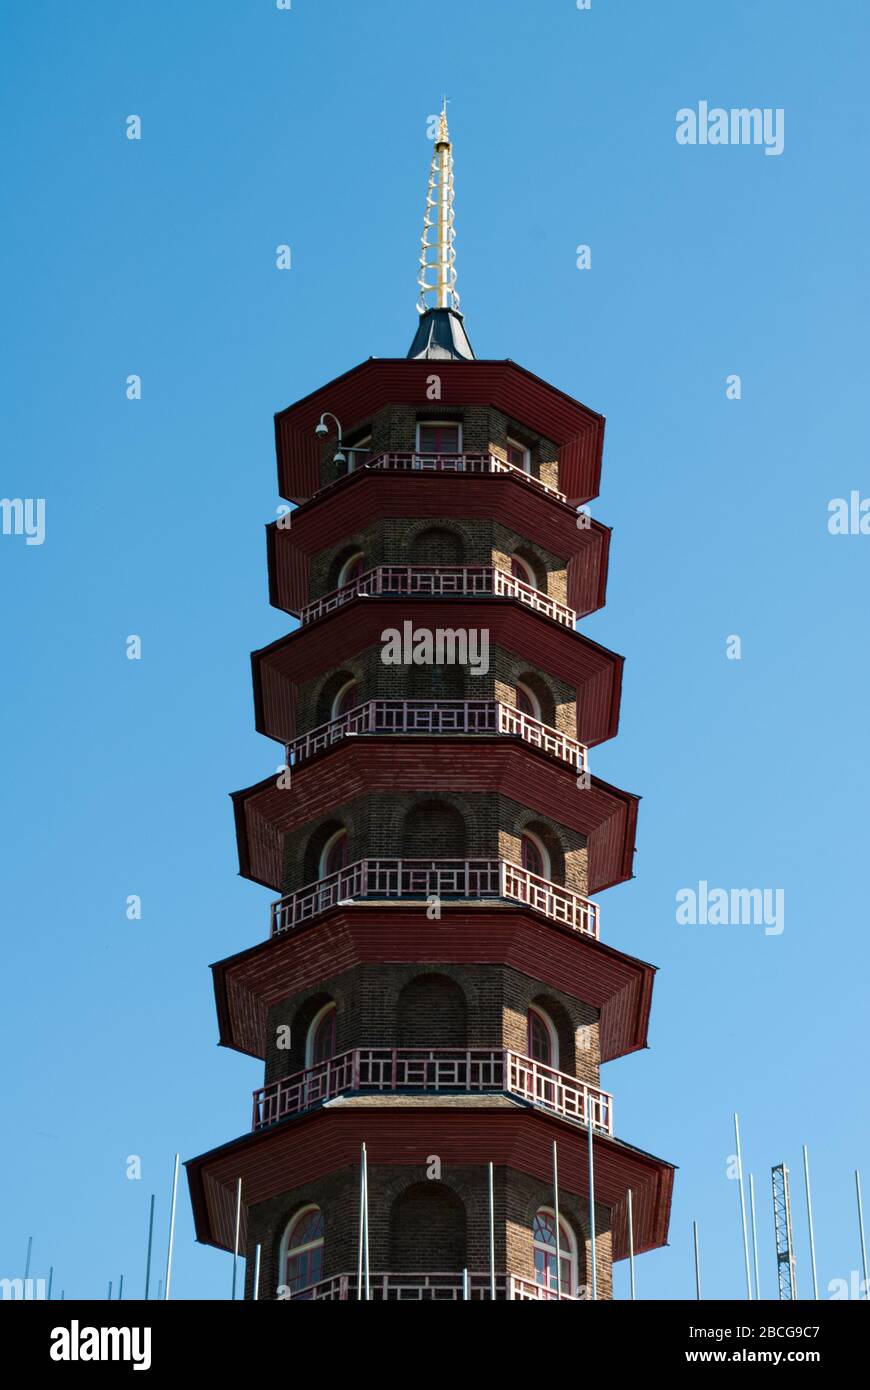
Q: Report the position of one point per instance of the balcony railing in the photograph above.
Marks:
(438, 717)
(416, 462)
(421, 879)
(467, 581)
(417, 1288)
(446, 1071)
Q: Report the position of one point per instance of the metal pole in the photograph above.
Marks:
(592, 1211)
(861, 1231)
(366, 1189)
(810, 1220)
(754, 1234)
(50, 1279)
(491, 1233)
(556, 1212)
(697, 1260)
(110, 1290)
(631, 1246)
(171, 1233)
(121, 1288)
(27, 1261)
(150, 1244)
(257, 1273)
(743, 1209)
(362, 1222)
(466, 1289)
(236, 1237)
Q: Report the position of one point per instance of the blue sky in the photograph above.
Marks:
(157, 257)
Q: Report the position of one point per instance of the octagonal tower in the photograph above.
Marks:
(436, 984)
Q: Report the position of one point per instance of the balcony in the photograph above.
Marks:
(422, 879)
(418, 1288)
(435, 717)
(443, 1071)
(439, 581)
(441, 463)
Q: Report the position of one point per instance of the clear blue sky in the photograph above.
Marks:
(156, 257)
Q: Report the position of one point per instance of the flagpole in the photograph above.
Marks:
(167, 1289)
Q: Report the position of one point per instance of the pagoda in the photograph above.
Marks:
(436, 993)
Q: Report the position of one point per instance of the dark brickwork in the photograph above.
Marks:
(377, 681)
(438, 541)
(420, 1222)
(484, 431)
(424, 1220)
(471, 825)
(433, 1005)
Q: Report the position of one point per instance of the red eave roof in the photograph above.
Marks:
(369, 495)
(593, 670)
(326, 1141)
(367, 388)
(249, 983)
(265, 813)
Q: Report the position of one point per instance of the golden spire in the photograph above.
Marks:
(437, 275)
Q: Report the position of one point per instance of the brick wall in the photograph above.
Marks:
(484, 430)
(377, 681)
(426, 1224)
(470, 825)
(438, 541)
(383, 1005)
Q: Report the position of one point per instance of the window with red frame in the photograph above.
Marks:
(533, 859)
(544, 1240)
(518, 455)
(304, 1259)
(336, 855)
(323, 1041)
(438, 439)
(540, 1042)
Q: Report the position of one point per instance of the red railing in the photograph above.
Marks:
(416, 462)
(416, 1288)
(448, 1071)
(438, 717)
(468, 581)
(423, 879)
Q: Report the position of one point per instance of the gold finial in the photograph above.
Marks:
(443, 132)
(437, 275)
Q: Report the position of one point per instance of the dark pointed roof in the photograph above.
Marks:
(441, 334)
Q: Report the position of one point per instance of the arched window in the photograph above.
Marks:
(522, 571)
(352, 568)
(302, 1254)
(543, 1039)
(320, 1041)
(346, 699)
(527, 702)
(535, 857)
(544, 1239)
(333, 856)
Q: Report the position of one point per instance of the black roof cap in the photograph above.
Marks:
(441, 334)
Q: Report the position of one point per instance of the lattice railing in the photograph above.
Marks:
(439, 581)
(422, 879)
(438, 717)
(416, 1288)
(445, 1071)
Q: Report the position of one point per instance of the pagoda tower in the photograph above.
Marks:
(436, 994)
